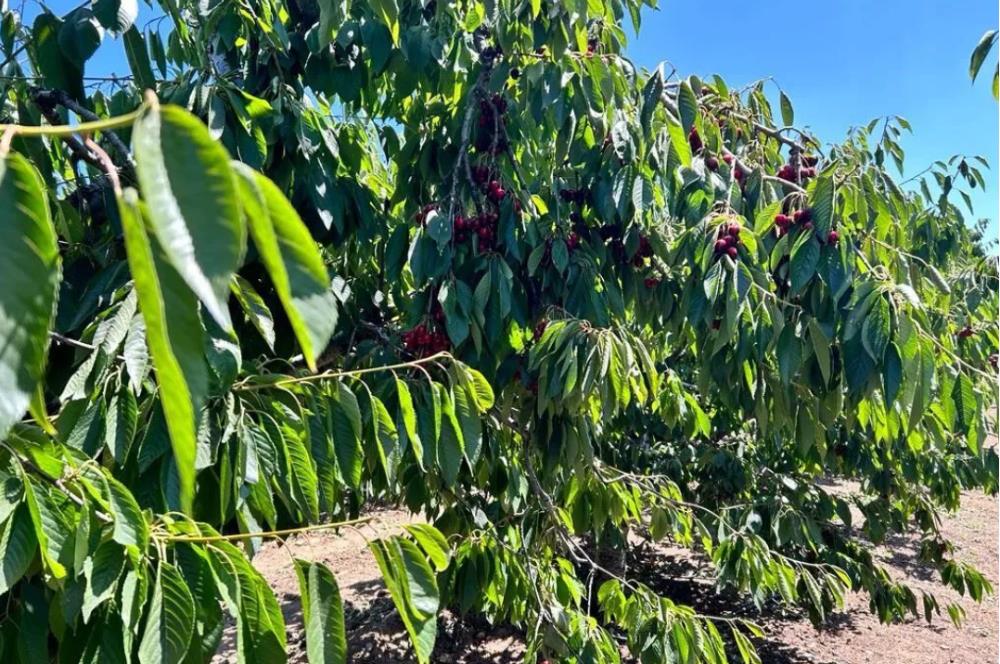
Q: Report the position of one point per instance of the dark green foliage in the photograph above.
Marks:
(461, 256)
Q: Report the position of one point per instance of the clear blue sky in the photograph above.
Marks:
(844, 62)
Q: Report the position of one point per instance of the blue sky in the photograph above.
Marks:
(844, 62)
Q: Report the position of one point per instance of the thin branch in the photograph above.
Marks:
(246, 386)
(105, 161)
(263, 533)
(72, 130)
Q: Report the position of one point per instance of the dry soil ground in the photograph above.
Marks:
(376, 634)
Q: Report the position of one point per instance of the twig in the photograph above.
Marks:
(63, 99)
(106, 163)
(264, 533)
(71, 130)
(246, 386)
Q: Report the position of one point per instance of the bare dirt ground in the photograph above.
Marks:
(375, 633)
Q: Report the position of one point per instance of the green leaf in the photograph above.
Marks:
(413, 589)
(345, 418)
(293, 261)
(687, 104)
(116, 15)
(101, 571)
(715, 282)
(892, 374)
(58, 70)
(17, 548)
(450, 446)
(823, 197)
(80, 35)
(170, 621)
(323, 613)
(194, 210)
(386, 437)
(938, 280)
(876, 330)
(409, 417)
(130, 526)
(29, 272)
(432, 542)
(821, 346)
(469, 422)
(332, 14)
(138, 59)
(174, 336)
(651, 97)
(787, 113)
(479, 388)
(256, 310)
(679, 141)
(963, 393)
(305, 483)
(983, 48)
(805, 258)
(259, 622)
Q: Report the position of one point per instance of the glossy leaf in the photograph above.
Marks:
(293, 260)
(192, 202)
(29, 270)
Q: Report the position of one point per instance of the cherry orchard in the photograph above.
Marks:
(467, 258)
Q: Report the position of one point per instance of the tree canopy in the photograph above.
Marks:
(466, 257)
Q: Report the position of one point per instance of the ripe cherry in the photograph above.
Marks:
(782, 220)
(965, 332)
(786, 172)
(711, 163)
(728, 158)
(515, 73)
(720, 246)
(540, 328)
(695, 140)
(732, 252)
(833, 237)
(808, 225)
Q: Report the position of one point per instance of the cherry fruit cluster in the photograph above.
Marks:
(728, 240)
